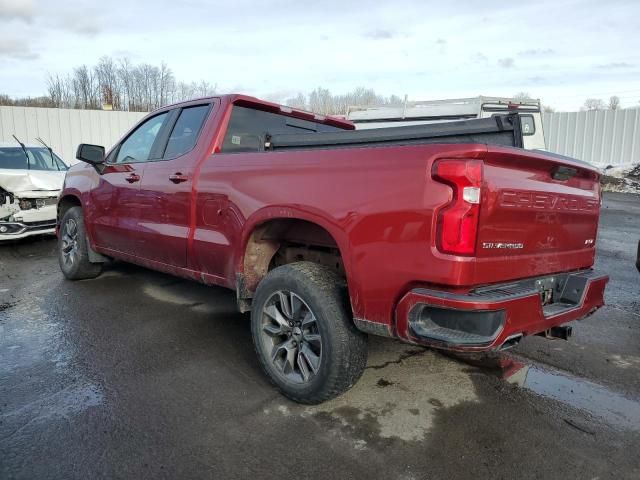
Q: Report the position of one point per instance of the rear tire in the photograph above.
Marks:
(304, 334)
(73, 247)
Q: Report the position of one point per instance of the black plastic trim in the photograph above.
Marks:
(499, 130)
(456, 326)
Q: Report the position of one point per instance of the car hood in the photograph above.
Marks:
(32, 183)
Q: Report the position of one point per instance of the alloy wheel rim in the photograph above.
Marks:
(69, 242)
(291, 337)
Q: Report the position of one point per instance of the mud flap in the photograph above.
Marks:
(95, 257)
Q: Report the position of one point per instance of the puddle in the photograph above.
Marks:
(65, 403)
(398, 395)
(207, 300)
(39, 381)
(576, 392)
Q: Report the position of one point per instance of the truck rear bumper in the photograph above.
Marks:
(498, 316)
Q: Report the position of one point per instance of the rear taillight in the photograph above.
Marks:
(457, 221)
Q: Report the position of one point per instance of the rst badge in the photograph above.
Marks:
(502, 245)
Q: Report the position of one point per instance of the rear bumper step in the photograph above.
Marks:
(498, 316)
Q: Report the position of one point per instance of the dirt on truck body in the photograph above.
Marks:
(447, 235)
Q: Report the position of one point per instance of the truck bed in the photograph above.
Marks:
(503, 130)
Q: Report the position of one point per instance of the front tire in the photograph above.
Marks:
(73, 248)
(304, 335)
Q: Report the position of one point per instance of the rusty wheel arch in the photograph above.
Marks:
(280, 241)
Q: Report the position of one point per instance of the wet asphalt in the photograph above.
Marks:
(138, 374)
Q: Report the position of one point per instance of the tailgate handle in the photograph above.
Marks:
(563, 173)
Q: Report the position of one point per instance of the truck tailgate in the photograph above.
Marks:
(536, 206)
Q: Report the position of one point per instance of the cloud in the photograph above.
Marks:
(441, 41)
(16, 49)
(379, 34)
(507, 62)
(480, 57)
(82, 23)
(279, 96)
(615, 65)
(537, 79)
(16, 9)
(535, 52)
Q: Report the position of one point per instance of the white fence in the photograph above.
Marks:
(63, 129)
(606, 137)
(598, 137)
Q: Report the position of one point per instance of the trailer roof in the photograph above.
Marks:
(454, 108)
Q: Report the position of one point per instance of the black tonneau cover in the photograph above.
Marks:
(497, 130)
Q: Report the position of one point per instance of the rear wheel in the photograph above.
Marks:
(73, 249)
(304, 335)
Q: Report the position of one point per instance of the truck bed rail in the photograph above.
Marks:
(497, 130)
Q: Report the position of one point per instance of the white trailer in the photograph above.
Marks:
(412, 113)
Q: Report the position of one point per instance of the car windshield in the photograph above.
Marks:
(39, 159)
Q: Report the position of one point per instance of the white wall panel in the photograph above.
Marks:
(602, 138)
(64, 129)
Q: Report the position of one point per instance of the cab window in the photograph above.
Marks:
(137, 147)
(248, 127)
(185, 132)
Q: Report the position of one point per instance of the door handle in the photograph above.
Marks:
(134, 177)
(178, 178)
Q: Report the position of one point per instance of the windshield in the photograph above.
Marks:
(39, 159)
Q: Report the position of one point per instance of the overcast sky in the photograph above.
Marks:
(562, 52)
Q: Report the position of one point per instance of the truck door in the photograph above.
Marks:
(115, 206)
(165, 192)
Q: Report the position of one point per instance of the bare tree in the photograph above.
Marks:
(85, 88)
(395, 101)
(321, 101)
(143, 87)
(299, 101)
(614, 102)
(26, 101)
(125, 77)
(594, 104)
(185, 91)
(167, 84)
(106, 73)
(60, 91)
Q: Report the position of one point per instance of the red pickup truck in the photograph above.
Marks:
(448, 235)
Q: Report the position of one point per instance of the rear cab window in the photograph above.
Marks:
(249, 127)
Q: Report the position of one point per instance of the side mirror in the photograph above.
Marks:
(93, 154)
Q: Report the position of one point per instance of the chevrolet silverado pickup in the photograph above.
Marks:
(446, 235)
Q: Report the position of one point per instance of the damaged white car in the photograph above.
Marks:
(31, 179)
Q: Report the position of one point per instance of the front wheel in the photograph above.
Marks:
(73, 248)
(304, 335)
